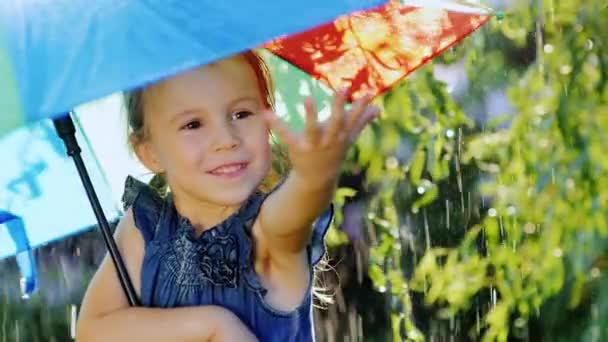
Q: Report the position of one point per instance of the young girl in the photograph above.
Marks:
(217, 259)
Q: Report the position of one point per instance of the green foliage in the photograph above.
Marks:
(544, 236)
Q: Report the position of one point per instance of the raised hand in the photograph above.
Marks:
(317, 152)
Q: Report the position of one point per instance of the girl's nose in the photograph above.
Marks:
(225, 137)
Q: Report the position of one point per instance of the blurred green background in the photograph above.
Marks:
(475, 208)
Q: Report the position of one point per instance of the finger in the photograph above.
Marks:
(336, 120)
(357, 111)
(369, 114)
(280, 127)
(312, 130)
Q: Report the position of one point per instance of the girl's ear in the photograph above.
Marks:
(147, 155)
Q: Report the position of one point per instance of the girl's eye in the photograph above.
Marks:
(194, 124)
(242, 114)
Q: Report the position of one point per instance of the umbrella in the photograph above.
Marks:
(40, 198)
(57, 55)
(371, 50)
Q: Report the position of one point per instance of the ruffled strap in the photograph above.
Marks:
(316, 246)
(146, 205)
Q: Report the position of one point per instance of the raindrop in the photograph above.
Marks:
(17, 331)
(548, 48)
(557, 253)
(392, 163)
(493, 297)
(492, 212)
(382, 289)
(449, 133)
(459, 178)
(529, 228)
(426, 230)
(589, 45)
(477, 320)
(570, 184)
(452, 326)
(565, 69)
(421, 190)
(502, 227)
(540, 109)
(544, 143)
(73, 311)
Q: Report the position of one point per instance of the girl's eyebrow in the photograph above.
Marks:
(245, 98)
(185, 112)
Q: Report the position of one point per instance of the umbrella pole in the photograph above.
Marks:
(66, 130)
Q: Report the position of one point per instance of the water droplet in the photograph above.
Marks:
(421, 190)
(565, 69)
(426, 230)
(492, 212)
(73, 316)
(548, 48)
(520, 322)
(382, 289)
(500, 15)
(392, 163)
(595, 272)
(371, 215)
(529, 228)
(570, 183)
(557, 253)
(511, 210)
(540, 109)
(450, 133)
(589, 45)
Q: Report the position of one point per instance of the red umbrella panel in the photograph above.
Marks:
(370, 51)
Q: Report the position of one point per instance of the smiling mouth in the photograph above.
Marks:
(229, 170)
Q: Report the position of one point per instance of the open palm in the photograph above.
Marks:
(317, 152)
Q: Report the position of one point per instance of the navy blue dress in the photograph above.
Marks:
(216, 268)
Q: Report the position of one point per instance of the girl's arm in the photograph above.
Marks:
(316, 156)
(106, 315)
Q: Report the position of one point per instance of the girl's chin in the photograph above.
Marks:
(232, 195)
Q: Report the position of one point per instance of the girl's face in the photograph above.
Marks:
(206, 132)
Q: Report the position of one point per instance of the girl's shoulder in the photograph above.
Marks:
(146, 205)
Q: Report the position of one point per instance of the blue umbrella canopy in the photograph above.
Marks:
(41, 199)
(55, 55)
